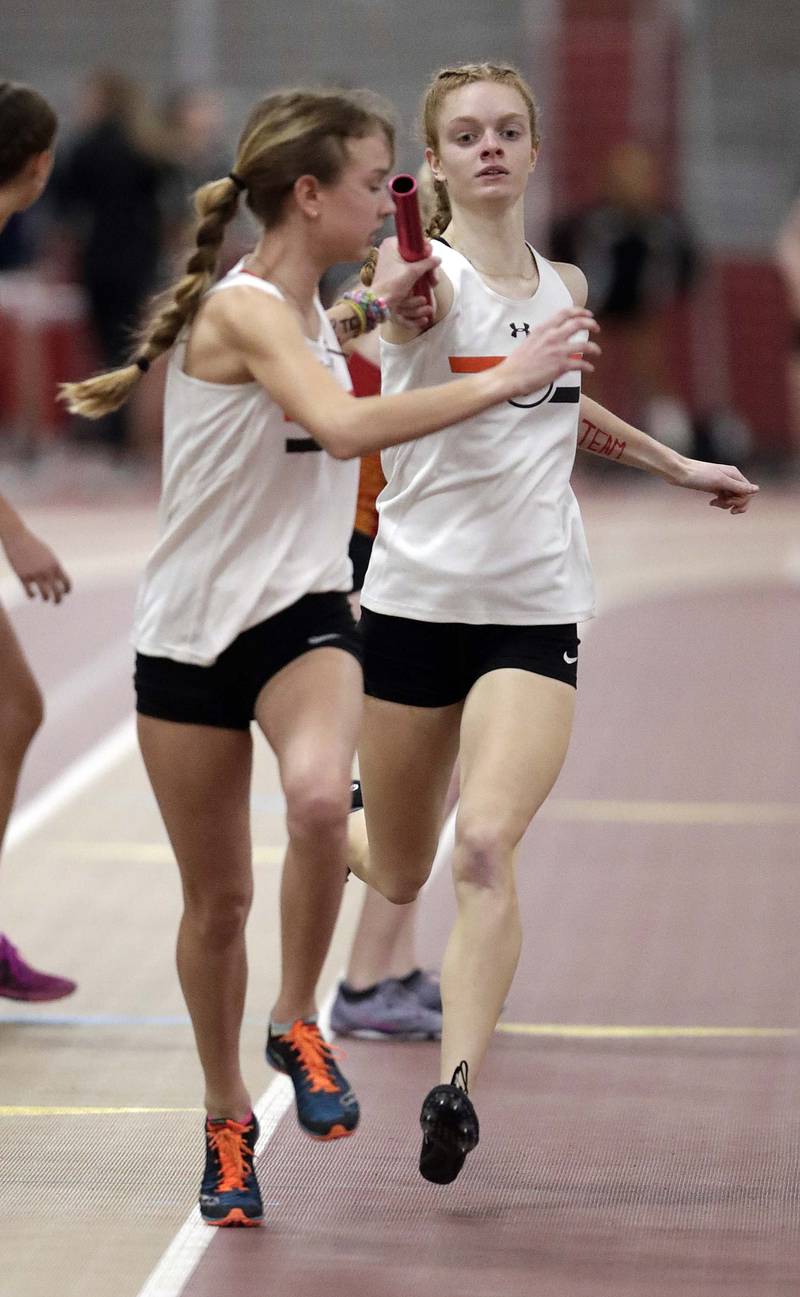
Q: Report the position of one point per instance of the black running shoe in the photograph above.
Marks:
(449, 1129)
(356, 804)
(327, 1108)
(229, 1194)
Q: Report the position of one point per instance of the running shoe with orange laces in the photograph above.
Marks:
(327, 1108)
(229, 1194)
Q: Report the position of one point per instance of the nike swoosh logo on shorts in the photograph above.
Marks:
(570, 660)
(322, 639)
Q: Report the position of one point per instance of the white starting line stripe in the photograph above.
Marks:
(188, 1247)
(77, 777)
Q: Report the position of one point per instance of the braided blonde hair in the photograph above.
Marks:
(288, 134)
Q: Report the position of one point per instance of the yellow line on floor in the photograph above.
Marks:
(558, 808)
(578, 1032)
(148, 853)
(652, 812)
(12, 1111)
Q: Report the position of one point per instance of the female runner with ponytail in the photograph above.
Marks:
(242, 613)
(480, 574)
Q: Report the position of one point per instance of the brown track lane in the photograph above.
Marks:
(646, 1167)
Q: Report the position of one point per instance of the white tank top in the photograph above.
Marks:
(478, 523)
(253, 513)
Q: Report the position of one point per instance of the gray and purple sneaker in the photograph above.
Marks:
(390, 1010)
(426, 987)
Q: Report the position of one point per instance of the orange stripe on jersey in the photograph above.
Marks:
(473, 364)
(476, 364)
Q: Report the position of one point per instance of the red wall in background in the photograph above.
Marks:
(758, 341)
(742, 298)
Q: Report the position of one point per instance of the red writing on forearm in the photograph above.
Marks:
(599, 442)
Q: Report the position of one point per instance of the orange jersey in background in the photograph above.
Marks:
(367, 382)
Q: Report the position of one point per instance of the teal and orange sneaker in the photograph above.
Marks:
(229, 1194)
(327, 1108)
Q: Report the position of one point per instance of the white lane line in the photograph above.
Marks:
(114, 662)
(188, 1247)
(78, 776)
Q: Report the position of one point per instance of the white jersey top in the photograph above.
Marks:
(478, 523)
(253, 515)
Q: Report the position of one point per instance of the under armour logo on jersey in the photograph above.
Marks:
(520, 328)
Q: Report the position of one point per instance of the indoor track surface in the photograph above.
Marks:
(640, 1107)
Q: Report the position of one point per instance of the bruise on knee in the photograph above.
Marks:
(479, 868)
(482, 860)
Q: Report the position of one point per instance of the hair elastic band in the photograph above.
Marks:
(142, 363)
(237, 180)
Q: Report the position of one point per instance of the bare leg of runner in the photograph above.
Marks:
(21, 714)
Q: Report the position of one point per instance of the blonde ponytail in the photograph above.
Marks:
(216, 205)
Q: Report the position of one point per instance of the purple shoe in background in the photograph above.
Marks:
(390, 1010)
(18, 981)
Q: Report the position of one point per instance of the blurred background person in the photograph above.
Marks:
(192, 117)
(639, 258)
(27, 131)
(788, 257)
(109, 189)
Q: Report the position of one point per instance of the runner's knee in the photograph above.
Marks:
(21, 714)
(218, 918)
(400, 891)
(316, 804)
(483, 854)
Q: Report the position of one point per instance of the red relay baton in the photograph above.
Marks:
(410, 239)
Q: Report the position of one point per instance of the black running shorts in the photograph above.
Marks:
(433, 664)
(360, 552)
(224, 694)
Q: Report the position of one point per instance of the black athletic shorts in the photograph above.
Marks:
(433, 664)
(224, 694)
(360, 553)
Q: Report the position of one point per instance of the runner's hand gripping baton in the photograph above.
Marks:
(410, 239)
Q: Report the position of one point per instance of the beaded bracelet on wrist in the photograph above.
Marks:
(370, 309)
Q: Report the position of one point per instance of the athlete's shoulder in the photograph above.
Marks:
(247, 315)
(238, 281)
(574, 281)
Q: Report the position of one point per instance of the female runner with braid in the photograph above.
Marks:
(480, 574)
(242, 612)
